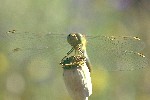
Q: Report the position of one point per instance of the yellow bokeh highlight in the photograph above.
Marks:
(3, 63)
(100, 80)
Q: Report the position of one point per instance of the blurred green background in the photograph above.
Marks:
(29, 75)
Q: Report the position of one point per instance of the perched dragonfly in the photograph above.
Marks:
(112, 52)
(77, 68)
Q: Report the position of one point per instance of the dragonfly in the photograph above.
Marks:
(112, 52)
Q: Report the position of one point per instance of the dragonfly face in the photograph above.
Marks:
(75, 39)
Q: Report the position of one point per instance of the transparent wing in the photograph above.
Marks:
(36, 55)
(26, 45)
(116, 53)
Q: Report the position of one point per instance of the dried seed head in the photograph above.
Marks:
(77, 77)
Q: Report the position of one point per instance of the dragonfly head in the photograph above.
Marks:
(74, 39)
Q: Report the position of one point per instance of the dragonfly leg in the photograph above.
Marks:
(68, 53)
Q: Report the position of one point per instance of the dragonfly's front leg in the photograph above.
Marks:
(77, 51)
(68, 53)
